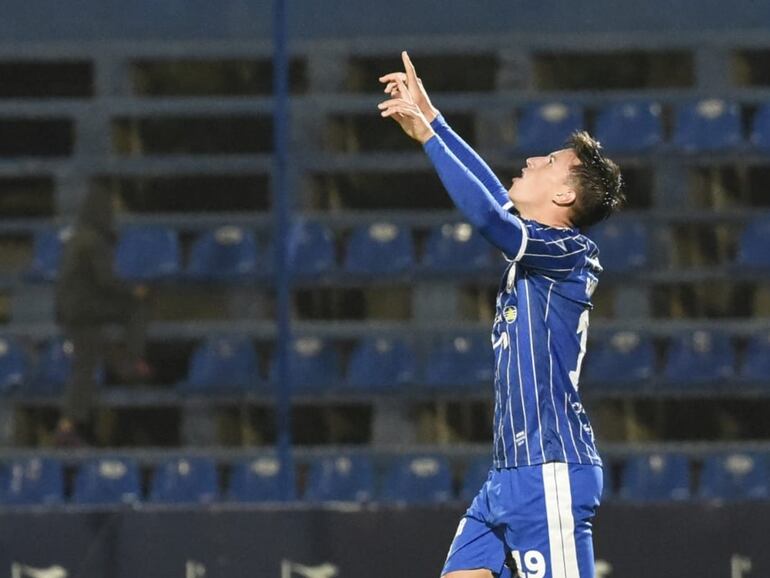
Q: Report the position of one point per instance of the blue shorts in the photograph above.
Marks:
(538, 516)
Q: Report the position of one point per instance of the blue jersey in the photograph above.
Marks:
(541, 318)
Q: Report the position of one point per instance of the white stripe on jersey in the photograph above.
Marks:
(510, 409)
(555, 256)
(534, 370)
(523, 403)
(550, 375)
(561, 523)
(499, 407)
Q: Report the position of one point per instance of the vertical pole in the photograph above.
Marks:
(281, 228)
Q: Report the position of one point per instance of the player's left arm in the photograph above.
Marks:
(498, 226)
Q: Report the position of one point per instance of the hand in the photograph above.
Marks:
(413, 85)
(407, 114)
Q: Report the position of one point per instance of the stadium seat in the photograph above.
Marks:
(379, 249)
(629, 127)
(314, 364)
(656, 477)
(707, 125)
(225, 254)
(700, 357)
(738, 476)
(47, 253)
(461, 360)
(107, 481)
(456, 248)
(258, 480)
(312, 250)
(756, 361)
(222, 364)
(544, 128)
(760, 128)
(13, 365)
(147, 254)
(340, 479)
(475, 475)
(381, 363)
(185, 481)
(620, 358)
(418, 479)
(54, 367)
(753, 243)
(623, 246)
(32, 481)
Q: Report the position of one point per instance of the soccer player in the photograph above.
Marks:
(533, 515)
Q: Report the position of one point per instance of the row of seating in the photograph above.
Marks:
(410, 479)
(231, 364)
(706, 125)
(233, 253)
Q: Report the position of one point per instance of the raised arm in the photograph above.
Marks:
(504, 230)
(470, 158)
(461, 149)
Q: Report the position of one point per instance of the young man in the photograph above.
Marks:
(533, 515)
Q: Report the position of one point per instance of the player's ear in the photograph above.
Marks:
(565, 197)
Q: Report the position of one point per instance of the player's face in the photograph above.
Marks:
(542, 178)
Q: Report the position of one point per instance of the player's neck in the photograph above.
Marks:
(545, 217)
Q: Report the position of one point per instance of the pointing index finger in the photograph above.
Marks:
(411, 73)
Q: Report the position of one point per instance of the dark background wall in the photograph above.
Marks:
(22, 20)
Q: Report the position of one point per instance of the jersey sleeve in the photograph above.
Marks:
(470, 158)
(504, 230)
(550, 251)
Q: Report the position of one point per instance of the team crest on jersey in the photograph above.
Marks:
(510, 313)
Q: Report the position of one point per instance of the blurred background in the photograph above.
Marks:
(329, 413)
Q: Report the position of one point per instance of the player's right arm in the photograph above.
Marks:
(461, 149)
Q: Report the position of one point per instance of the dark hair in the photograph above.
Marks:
(600, 188)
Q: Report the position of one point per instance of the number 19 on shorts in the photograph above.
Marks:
(530, 565)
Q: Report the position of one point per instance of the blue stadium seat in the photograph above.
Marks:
(314, 364)
(13, 365)
(226, 254)
(379, 249)
(458, 247)
(475, 475)
(147, 254)
(752, 246)
(620, 358)
(461, 360)
(707, 125)
(54, 367)
(656, 477)
(185, 481)
(756, 362)
(340, 479)
(258, 480)
(106, 481)
(381, 363)
(623, 245)
(47, 253)
(629, 127)
(418, 479)
(32, 481)
(222, 364)
(312, 250)
(544, 128)
(739, 476)
(760, 128)
(700, 357)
